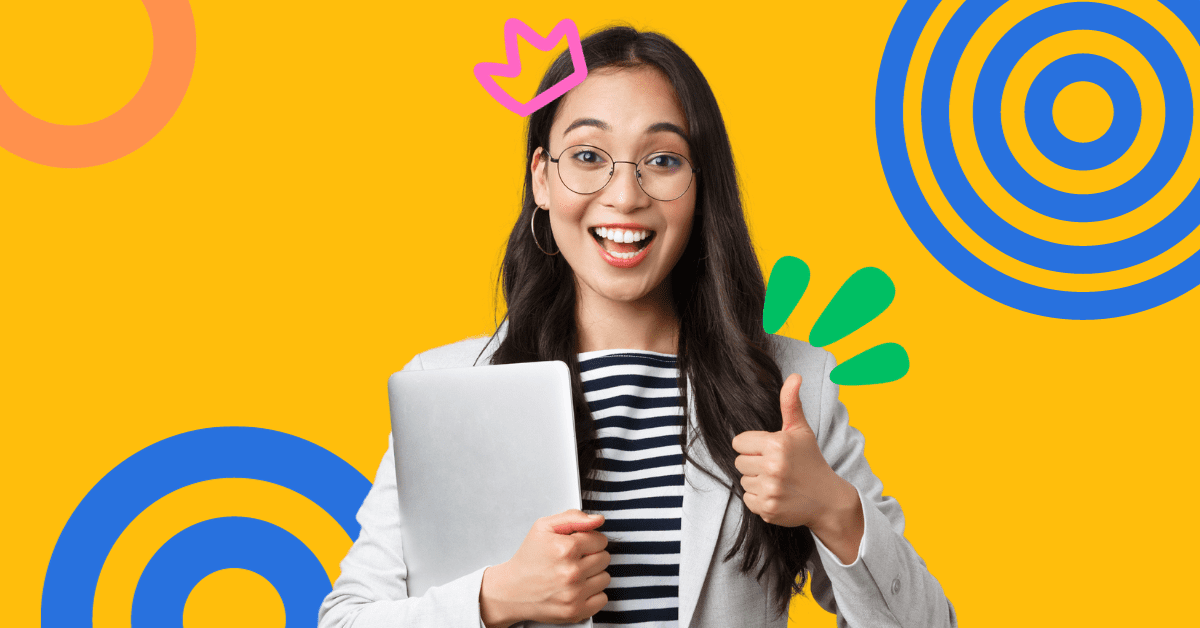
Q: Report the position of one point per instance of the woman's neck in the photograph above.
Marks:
(648, 324)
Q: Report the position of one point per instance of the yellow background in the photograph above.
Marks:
(333, 196)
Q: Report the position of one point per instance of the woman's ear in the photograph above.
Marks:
(538, 165)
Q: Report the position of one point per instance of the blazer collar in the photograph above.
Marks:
(704, 504)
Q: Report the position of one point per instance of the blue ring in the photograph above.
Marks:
(1036, 195)
(893, 151)
(962, 196)
(169, 465)
(1044, 131)
(1033, 193)
(229, 543)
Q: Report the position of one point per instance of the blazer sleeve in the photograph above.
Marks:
(888, 583)
(372, 590)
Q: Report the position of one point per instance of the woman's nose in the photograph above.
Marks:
(623, 190)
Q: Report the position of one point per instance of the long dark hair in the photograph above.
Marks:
(718, 293)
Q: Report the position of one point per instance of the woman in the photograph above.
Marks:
(632, 263)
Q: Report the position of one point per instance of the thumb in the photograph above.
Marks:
(574, 520)
(789, 403)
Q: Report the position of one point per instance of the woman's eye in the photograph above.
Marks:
(588, 157)
(669, 162)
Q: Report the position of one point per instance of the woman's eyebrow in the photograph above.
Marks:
(657, 127)
(600, 124)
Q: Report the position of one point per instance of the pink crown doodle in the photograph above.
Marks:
(486, 73)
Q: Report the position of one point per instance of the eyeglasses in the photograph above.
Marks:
(663, 176)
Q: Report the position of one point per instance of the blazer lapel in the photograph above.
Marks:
(704, 503)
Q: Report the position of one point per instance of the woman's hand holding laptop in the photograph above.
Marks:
(556, 577)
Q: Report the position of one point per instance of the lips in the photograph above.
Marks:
(633, 247)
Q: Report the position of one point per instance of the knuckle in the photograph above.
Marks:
(568, 572)
(563, 548)
(574, 574)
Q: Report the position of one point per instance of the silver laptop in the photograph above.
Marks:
(481, 453)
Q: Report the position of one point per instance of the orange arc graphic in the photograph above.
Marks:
(102, 141)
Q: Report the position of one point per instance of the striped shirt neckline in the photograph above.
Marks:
(601, 352)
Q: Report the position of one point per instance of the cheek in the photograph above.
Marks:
(568, 208)
(566, 200)
(566, 222)
(682, 223)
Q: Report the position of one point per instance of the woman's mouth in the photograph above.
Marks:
(623, 244)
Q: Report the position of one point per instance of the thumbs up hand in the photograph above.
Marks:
(787, 480)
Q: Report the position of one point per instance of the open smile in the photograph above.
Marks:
(622, 248)
(624, 244)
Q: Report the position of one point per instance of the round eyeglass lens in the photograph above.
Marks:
(585, 169)
(665, 176)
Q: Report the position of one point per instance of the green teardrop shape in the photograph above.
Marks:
(880, 364)
(789, 280)
(865, 295)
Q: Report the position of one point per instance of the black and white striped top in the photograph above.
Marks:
(635, 402)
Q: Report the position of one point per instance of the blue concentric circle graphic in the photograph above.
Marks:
(209, 546)
(1039, 112)
(1024, 187)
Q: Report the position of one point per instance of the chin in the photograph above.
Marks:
(625, 294)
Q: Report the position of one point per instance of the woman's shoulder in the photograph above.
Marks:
(797, 356)
(468, 352)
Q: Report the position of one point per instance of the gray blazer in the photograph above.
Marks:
(887, 585)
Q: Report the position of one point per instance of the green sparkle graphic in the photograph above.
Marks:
(863, 297)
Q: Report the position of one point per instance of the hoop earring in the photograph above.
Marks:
(532, 218)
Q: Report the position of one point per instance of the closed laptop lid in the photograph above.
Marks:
(481, 453)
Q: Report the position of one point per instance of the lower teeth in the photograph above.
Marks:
(629, 255)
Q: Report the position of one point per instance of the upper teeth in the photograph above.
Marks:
(622, 235)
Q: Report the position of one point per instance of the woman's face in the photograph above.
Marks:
(629, 113)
